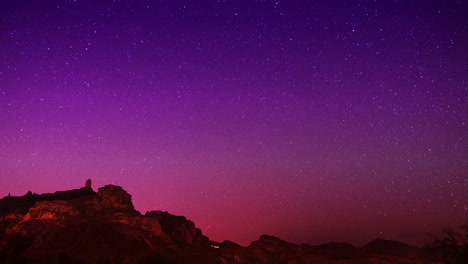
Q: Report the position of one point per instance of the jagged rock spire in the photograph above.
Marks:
(88, 183)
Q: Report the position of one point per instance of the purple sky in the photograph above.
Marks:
(313, 121)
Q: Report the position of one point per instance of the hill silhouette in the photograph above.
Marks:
(84, 226)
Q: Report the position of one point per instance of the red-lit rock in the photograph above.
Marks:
(114, 197)
(51, 210)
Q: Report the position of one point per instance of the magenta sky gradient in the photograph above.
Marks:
(313, 121)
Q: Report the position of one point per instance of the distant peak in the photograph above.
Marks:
(379, 243)
(271, 242)
(268, 238)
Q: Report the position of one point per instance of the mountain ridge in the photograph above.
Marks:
(84, 226)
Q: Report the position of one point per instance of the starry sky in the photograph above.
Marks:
(312, 121)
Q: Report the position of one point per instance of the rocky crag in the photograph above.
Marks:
(84, 226)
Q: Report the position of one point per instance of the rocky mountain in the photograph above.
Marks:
(84, 226)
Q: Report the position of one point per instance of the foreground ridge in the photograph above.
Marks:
(84, 226)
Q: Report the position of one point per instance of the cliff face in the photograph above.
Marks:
(113, 197)
(82, 226)
(179, 228)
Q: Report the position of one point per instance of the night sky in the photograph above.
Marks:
(312, 121)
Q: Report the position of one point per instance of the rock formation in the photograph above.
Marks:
(179, 228)
(88, 184)
(114, 197)
(82, 226)
(52, 210)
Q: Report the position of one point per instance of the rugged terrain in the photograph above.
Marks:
(84, 226)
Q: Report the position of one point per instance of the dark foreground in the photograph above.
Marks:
(83, 226)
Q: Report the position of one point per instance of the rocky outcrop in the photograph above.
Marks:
(114, 197)
(179, 228)
(22, 204)
(51, 210)
(88, 184)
